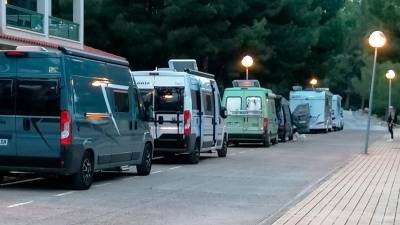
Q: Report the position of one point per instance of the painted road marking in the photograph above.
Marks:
(101, 185)
(175, 167)
(19, 204)
(22, 181)
(158, 171)
(64, 194)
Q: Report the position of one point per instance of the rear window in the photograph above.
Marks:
(233, 105)
(38, 98)
(169, 100)
(253, 104)
(6, 98)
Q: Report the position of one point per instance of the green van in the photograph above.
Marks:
(251, 113)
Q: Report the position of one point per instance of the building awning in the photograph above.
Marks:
(47, 44)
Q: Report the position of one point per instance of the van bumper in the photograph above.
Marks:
(68, 162)
(183, 144)
(246, 137)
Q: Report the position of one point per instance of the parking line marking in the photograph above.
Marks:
(175, 167)
(22, 181)
(19, 204)
(129, 178)
(233, 154)
(158, 171)
(158, 157)
(241, 152)
(101, 185)
(63, 194)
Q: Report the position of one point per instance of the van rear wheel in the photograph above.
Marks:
(224, 150)
(84, 178)
(267, 141)
(194, 156)
(144, 168)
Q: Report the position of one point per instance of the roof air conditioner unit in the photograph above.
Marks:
(180, 65)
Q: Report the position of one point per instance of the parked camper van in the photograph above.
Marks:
(186, 110)
(337, 113)
(252, 114)
(285, 129)
(70, 113)
(320, 103)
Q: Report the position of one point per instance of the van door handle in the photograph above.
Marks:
(26, 124)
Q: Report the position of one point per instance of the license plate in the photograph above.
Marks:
(3, 142)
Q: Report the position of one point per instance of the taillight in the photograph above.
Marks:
(66, 128)
(187, 123)
(265, 125)
(15, 54)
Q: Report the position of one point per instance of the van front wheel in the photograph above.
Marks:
(144, 168)
(84, 178)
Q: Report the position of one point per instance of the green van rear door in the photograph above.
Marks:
(7, 116)
(37, 90)
(254, 116)
(233, 103)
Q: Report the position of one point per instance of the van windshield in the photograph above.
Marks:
(168, 100)
(147, 97)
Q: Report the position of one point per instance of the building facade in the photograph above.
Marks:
(31, 22)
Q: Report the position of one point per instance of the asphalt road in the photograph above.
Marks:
(252, 185)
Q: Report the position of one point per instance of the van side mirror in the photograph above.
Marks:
(160, 120)
(224, 112)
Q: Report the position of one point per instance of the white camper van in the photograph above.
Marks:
(320, 103)
(337, 113)
(186, 110)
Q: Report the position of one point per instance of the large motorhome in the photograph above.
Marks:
(186, 110)
(320, 105)
(70, 113)
(337, 113)
(252, 115)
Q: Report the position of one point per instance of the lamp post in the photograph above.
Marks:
(313, 82)
(390, 75)
(247, 62)
(376, 40)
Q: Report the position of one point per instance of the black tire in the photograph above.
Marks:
(224, 150)
(144, 168)
(84, 178)
(267, 141)
(1, 178)
(194, 156)
(275, 140)
(284, 137)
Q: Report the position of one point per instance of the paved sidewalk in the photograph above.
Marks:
(365, 191)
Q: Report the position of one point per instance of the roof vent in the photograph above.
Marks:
(31, 49)
(246, 83)
(180, 65)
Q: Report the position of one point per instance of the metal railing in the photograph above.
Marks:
(24, 18)
(63, 28)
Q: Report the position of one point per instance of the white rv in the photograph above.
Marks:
(337, 113)
(186, 110)
(320, 103)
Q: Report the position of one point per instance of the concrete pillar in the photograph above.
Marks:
(43, 7)
(79, 18)
(3, 17)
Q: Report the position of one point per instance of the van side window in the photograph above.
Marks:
(135, 103)
(88, 98)
(6, 99)
(209, 106)
(233, 105)
(121, 101)
(38, 98)
(195, 99)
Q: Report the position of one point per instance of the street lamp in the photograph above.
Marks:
(390, 75)
(376, 40)
(313, 82)
(247, 61)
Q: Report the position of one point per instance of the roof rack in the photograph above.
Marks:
(200, 74)
(246, 83)
(76, 52)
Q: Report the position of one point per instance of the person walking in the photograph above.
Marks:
(392, 120)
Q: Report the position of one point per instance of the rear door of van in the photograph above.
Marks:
(7, 105)
(254, 114)
(38, 95)
(233, 103)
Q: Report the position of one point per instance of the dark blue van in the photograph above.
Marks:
(70, 113)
